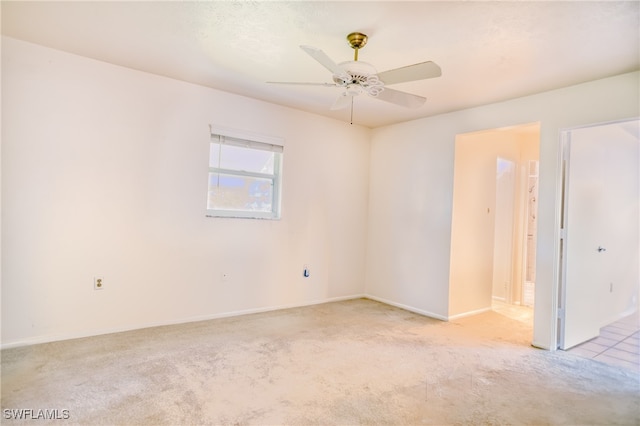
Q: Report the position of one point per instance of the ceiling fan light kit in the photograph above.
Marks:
(357, 77)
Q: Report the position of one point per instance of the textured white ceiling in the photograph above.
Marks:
(488, 51)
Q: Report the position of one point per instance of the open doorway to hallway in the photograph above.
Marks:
(515, 232)
(494, 224)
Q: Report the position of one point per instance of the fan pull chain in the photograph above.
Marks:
(352, 109)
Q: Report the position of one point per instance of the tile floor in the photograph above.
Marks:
(618, 344)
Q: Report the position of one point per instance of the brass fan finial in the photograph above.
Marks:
(357, 41)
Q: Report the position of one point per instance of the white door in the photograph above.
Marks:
(600, 219)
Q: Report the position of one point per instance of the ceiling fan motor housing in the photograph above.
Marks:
(361, 74)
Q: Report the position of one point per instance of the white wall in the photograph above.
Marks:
(104, 173)
(411, 175)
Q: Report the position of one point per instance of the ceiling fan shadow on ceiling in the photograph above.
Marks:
(357, 77)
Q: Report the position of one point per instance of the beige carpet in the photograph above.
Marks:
(353, 362)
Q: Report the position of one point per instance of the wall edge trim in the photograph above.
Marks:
(469, 313)
(50, 338)
(407, 307)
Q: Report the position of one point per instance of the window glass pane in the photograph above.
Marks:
(238, 158)
(229, 192)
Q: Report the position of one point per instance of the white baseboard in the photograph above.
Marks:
(78, 335)
(468, 314)
(407, 307)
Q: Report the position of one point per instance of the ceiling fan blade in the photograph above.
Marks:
(401, 98)
(325, 61)
(301, 83)
(413, 72)
(343, 101)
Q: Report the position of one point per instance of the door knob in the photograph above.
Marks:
(601, 249)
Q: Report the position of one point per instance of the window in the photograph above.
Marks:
(244, 175)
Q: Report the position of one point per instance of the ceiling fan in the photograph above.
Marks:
(357, 77)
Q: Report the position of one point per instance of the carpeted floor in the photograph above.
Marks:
(352, 362)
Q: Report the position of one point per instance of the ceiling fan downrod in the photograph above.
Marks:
(357, 41)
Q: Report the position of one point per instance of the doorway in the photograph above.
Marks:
(504, 232)
(516, 212)
(494, 222)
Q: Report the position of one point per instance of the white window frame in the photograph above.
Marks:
(226, 136)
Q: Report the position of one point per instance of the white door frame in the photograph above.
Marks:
(565, 140)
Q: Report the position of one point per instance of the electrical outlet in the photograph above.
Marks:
(98, 283)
